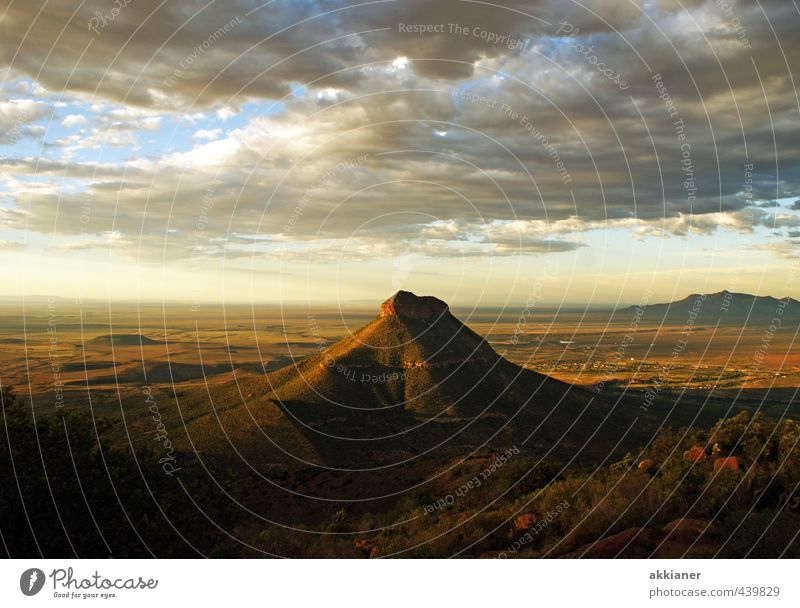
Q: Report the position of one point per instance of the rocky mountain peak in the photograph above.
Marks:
(407, 304)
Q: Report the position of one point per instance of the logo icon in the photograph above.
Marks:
(31, 581)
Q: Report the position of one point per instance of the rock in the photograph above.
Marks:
(407, 304)
(648, 466)
(681, 538)
(524, 522)
(695, 454)
(630, 543)
(687, 530)
(365, 547)
(730, 462)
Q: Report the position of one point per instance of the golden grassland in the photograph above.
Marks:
(56, 352)
(58, 344)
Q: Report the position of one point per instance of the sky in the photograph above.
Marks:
(334, 152)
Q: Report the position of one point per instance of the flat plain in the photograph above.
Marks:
(100, 355)
(109, 345)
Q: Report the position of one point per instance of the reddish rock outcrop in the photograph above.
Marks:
(689, 530)
(524, 522)
(367, 548)
(630, 543)
(695, 454)
(679, 538)
(407, 304)
(648, 466)
(731, 462)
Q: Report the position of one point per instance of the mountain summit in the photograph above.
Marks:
(407, 304)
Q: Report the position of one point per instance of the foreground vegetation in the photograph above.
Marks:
(528, 509)
(66, 494)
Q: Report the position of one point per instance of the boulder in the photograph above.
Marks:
(365, 547)
(648, 466)
(525, 522)
(630, 543)
(688, 530)
(695, 454)
(730, 462)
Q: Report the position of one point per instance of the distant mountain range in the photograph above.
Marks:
(724, 307)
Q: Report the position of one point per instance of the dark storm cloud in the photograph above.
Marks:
(207, 53)
(506, 118)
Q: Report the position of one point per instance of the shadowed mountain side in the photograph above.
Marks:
(415, 357)
(245, 430)
(162, 372)
(123, 340)
(233, 424)
(413, 384)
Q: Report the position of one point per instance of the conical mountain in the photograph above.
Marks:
(415, 385)
(415, 357)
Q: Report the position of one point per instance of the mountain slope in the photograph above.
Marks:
(408, 360)
(413, 388)
(416, 383)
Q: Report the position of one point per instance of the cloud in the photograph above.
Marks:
(16, 116)
(500, 136)
(11, 246)
(208, 134)
(74, 120)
